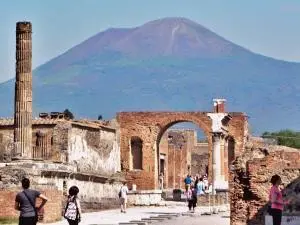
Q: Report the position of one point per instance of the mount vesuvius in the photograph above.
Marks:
(166, 64)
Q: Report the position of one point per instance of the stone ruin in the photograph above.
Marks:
(97, 156)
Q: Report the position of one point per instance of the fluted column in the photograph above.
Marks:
(23, 92)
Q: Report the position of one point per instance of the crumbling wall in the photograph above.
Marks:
(6, 143)
(93, 150)
(200, 159)
(252, 172)
(10, 185)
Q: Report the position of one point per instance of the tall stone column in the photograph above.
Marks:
(219, 128)
(23, 92)
(216, 159)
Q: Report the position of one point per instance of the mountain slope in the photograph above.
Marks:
(167, 64)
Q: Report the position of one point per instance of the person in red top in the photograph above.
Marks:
(276, 199)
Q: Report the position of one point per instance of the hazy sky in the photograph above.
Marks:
(269, 27)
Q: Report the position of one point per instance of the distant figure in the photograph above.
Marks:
(26, 204)
(276, 200)
(187, 182)
(200, 187)
(209, 189)
(192, 198)
(205, 181)
(123, 197)
(73, 209)
(161, 181)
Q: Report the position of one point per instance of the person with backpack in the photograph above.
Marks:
(192, 198)
(26, 203)
(123, 197)
(73, 209)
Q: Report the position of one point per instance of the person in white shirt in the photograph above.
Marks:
(123, 197)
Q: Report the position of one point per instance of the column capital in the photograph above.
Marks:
(218, 119)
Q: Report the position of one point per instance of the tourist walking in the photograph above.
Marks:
(276, 200)
(192, 198)
(73, 209)
(26, 203)
(123, 197)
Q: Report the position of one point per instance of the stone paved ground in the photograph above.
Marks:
(137, 213)
(220, 219)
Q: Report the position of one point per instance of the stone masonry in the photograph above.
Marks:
(250, 185)
(150, 127)
(23, 92)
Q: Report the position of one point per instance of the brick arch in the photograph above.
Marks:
(169, 123)
(150, 126)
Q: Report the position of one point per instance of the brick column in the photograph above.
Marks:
(23, 93)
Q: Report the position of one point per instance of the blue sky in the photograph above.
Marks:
(269, 27)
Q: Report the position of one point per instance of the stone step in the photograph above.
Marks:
(128, 223)
(169, 214)
(153, 219)
(165, 216)
(157, 218)
(139, 222)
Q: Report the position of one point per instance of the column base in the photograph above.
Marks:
(221, 184)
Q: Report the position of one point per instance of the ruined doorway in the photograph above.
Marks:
(162, 166)
(186, 151)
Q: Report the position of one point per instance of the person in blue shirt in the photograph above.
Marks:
(187, 182)
(200, 187)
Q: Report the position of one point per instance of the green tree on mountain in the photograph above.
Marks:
(286, 137)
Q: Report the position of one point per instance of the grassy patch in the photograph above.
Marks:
(8, 220)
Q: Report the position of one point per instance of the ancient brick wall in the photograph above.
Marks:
(253, 171)
(200, 159)
(177, 145)
(164, 152)
(52, 210)
(238, 129)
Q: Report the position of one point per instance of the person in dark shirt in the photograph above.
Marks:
(25, 203)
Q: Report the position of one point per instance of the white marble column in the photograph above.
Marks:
(216, 158)
(217, 131)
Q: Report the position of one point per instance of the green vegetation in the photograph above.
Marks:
(9, 220)
(287, 137)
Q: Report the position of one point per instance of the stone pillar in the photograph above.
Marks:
(23, 92)
(222, 152)
(220, 120)
(226, 164)
(216, 159)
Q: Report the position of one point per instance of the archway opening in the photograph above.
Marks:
(183, 149)
(136, 145)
